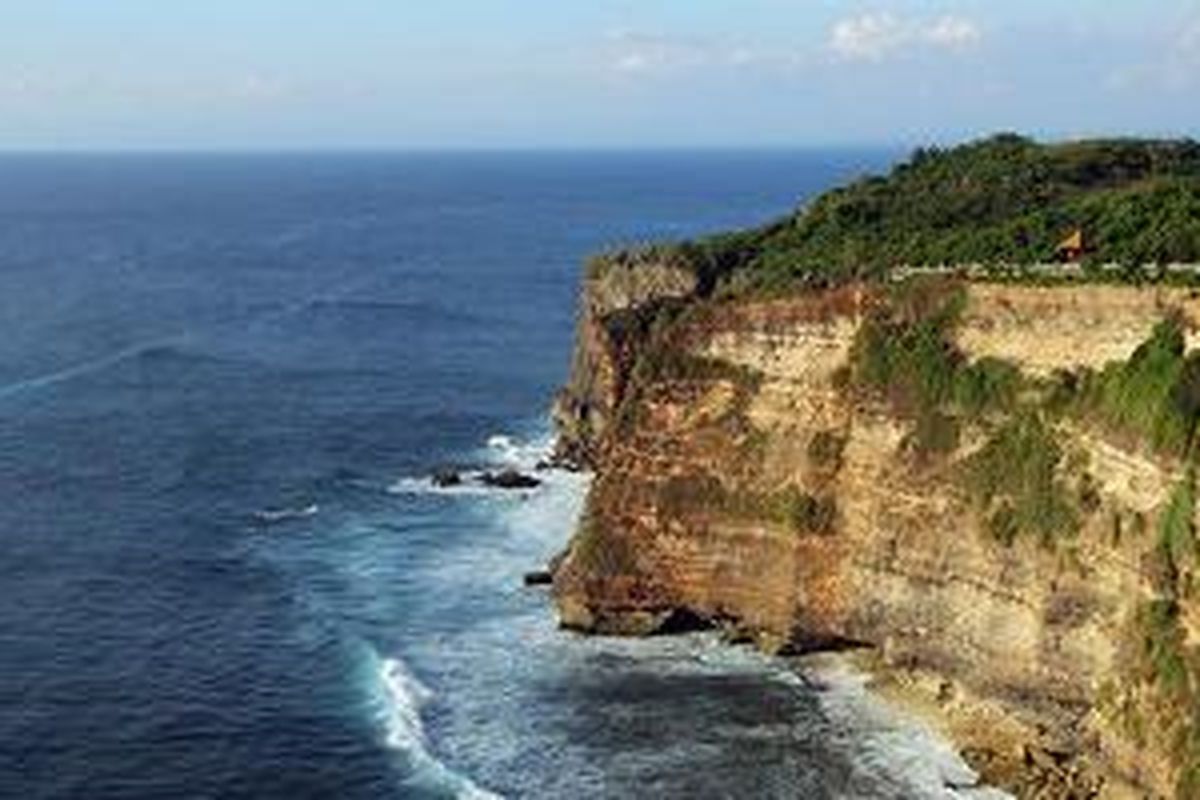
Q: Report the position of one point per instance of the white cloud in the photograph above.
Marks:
(865, 37)
(953, 32)
(641, 53)
(876, 37)
(869, 37)
(631, 53)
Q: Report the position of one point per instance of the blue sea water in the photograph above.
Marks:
(222, 575)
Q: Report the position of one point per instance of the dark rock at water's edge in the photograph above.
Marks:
(540, 577)
(545, 577)
(446, 478)
(509, 479)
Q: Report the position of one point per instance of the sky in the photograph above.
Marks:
(485, 74)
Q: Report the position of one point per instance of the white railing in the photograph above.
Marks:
(1043, 270)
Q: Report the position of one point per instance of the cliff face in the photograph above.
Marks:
(606, 341)
(745, 483)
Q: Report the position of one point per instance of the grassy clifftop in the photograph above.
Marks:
(1002, 200)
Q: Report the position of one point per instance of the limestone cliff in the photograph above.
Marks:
(744, 478)
(618, 290)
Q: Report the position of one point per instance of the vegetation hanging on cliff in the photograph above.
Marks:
(1154, 396)
(904, 355)
(1015, 478)
(1177, 526)
(1155, 693)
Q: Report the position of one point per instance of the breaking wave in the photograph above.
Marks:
(500, 451)
(269, 516)
(401, 697)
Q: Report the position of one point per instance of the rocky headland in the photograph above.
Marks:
(979, 483)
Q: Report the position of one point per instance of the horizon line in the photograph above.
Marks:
(447, 150)
(896, 145)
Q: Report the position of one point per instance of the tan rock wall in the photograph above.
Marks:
(909, 568)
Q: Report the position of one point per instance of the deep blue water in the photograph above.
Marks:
(191, 341)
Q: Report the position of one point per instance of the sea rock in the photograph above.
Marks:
(540, 577)
(446, 478)
(509, 479)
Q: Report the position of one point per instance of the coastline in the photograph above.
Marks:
(855, 679)
(950, 742)
(990, 739)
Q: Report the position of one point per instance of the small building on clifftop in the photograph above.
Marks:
(1071, 249)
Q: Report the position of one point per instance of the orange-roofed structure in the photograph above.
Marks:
(1071, 249)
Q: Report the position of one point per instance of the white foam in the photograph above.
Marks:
(887, 748)
(500, 450)
(511, 451)
(406, 695)
(270, 515)
(404, 732)
(420, 486)
(500, 442)
(887, 743)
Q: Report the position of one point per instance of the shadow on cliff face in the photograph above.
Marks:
(683, 620)
(802, 643)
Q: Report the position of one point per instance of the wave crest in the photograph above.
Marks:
(403, 697)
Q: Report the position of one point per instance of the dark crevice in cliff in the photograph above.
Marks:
(684, 620)
(802, 643)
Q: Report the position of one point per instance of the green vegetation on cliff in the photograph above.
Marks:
(904, 356)
(1017, 480)
(1154, 397)
(1157, 693)
(1006, 200)
(1023, 482)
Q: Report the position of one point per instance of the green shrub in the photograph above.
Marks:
(986, 385)
(1176, 527)
(902, 352)
(1001, 201)
(904, 355)
(1154, 396)
(934, 433)
(1014, 478)
(1004, 200)
(1003, 524)
(1162, 649)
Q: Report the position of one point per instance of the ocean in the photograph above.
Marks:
(224, 382)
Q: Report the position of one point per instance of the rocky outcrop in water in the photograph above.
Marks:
(509, 479)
